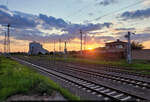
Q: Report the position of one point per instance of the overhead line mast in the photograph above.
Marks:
(7, 40)
(5, 43)
(81, 41)
(59, 45)
(129, 57)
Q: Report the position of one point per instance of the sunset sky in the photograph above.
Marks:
(47, 20)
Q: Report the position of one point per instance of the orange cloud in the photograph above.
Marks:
(146, 44)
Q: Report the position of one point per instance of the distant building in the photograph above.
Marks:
(116, 46)
(36, 48)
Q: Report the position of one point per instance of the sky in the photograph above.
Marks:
(46, 21)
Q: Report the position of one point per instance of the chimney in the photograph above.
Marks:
(118, 40)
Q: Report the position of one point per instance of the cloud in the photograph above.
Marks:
(42, 27)
(106, 2)
(125, 29)
(7, 16)
(107, 38)
(138, 14)
(52, 21)
(90, 14)
(147, 29)
(146, 3)
(141, 37)
(74, 28)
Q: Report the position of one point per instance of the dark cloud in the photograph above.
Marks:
(28, 26)
(107, 38)
(6, 16)
(90, 14)
(141, 37)
(106, 2)
(138, 14)
(52, 21)
(98, 32)
(74, 28)
(4, 7)
(147, 29)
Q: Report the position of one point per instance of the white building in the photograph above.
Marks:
(36, 48)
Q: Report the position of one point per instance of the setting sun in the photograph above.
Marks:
(90, 48)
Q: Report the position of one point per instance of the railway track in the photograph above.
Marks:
(116, 69)
(109, 68)
(100, 91)
(112, 70)
(121, 82)
(130, 81)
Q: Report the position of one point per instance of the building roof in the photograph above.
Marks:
(115, 42)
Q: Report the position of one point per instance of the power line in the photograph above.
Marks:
(113, 12)
(79, 10)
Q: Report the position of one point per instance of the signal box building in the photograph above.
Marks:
(116, 46)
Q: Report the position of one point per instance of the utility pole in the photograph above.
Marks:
(5, 44)
(54, 52)
(54, 46)
(8, 39)
(85, 42)
(65, 48)
(129, 58)
(81, 42)
(59, 45)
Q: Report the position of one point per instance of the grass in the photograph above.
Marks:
(140, 66)
(18, 79)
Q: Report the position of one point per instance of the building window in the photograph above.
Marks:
(120, 46)
(107, 47)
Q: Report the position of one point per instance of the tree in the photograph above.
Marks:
(136, 46)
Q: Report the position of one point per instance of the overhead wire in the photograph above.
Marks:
(110, 13)
(79, 10)
(114, 12)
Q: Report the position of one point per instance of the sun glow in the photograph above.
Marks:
(90, 48)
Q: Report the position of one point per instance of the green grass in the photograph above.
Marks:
(18, 79)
